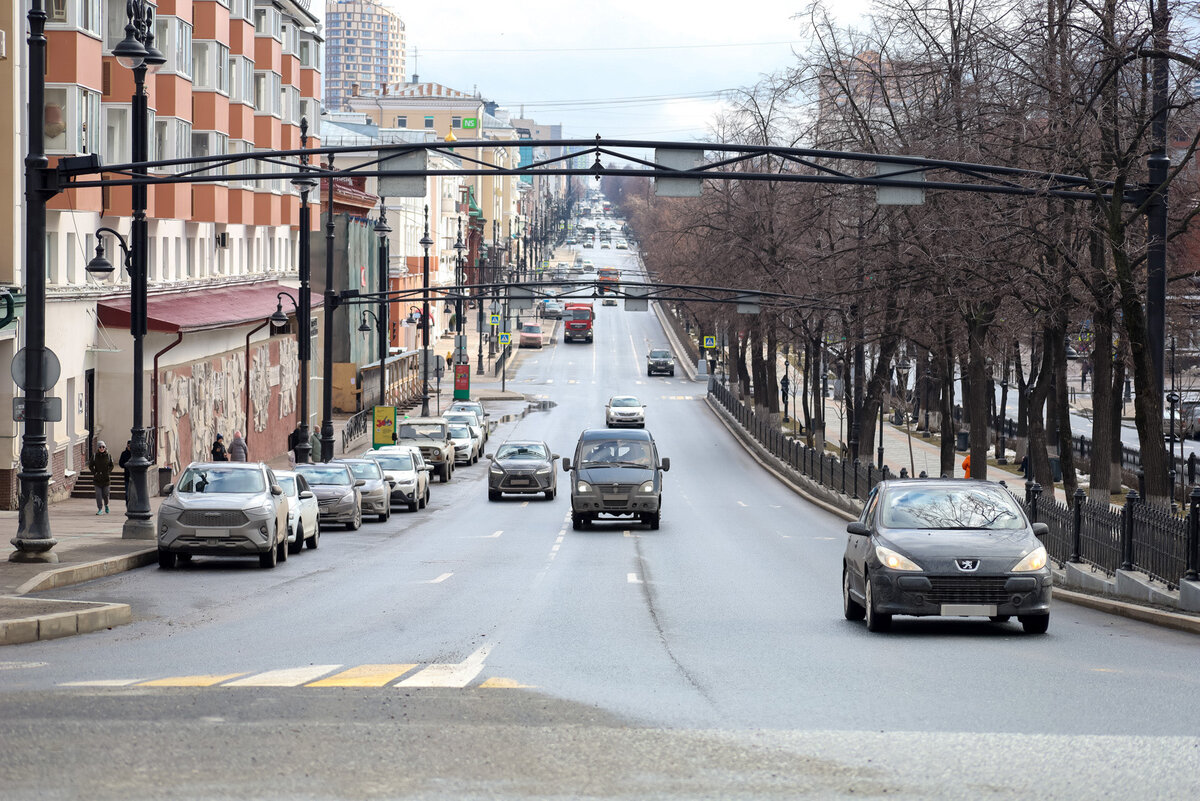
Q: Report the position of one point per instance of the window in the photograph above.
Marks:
(117, 141)
(310, 53)
(72, 121)
(290, 100)
(172, 139)
(401, 121)
(114, 24)
(429, 122)
(311, 110)
(210, 66)
(456, 122)
(240, 9)
(85, 15)
(267, 22)
(174, 39)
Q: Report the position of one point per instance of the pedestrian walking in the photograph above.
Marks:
(219, 454)
(126, 455)
(100, 466)
(238, 452)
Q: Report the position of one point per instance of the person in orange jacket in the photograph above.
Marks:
(966, 465)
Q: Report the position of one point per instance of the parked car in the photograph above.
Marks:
(624, 410)
(406, 473)
(531, 335)
(304, 524)
(467, 442)
(223, 509)
(432, 436)
(616, 473)
(374, 494)
(552, 310)
(337, 492)
(953, 548)
(522, 466)
(470, 416)
(660, 360)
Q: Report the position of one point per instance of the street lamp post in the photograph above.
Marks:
(425, 242)
(330, 305)
(279, 320)
(137, 52)
(459, 249)
(480, 260)
(304, 183)
(382, 229)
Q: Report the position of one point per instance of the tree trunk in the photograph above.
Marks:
(1103, 420)
(975, 390)
(771, 379)
(945, 364)
(1066, 449)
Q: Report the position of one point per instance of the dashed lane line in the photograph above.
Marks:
(440, 578)
(364, 676)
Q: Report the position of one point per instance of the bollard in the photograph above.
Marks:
(1035, 492)
(870, 471)
(1127, 530)
(821, 477)
(1141, 477)
(843, 461)
(883, 474)
(923, 475)
(1193, 536)
(903, 472)
(1191, 468)
(1077, 532)
(856, 463)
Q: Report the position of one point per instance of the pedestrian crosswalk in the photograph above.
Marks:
(408, 675)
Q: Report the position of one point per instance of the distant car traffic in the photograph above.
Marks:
(303, 511)
(223, 509)
(531, 335)
(337, 492)
(624, 410)
(406, 473)
(552, 309)
(616, 473)
(523, 467)
(374, 494)
(660, 360)
(954, 548)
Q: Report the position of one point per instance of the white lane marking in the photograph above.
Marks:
(555, 548)
(493, 535)
(458, 675)
(524, 504)
(549, 380)
(632, 578)
(102, 683)
(288, 677)
(739, 503)
(440, 578)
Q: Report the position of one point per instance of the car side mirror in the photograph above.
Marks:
(1040, 530)
(305, 494)
(566, 465)
(427, 468)
(554, 456)
(857, 528)
(666, 464)
(167, 490)
(276, 489)
(362, 482)
(489, 456)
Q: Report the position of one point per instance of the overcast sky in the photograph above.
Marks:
(647, 69)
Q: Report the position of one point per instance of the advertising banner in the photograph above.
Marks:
(384, 431)
(462, 382)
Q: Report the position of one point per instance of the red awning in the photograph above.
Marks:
(203, 308)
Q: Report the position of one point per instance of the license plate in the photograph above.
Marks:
(520, 482)
(213, 533)
(968, 610)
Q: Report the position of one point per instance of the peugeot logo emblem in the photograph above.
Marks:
(967, 565)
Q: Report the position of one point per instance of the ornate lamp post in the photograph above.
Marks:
(278, 320)
(382, 229)
(304, 184)
(459, 249)
(481, 260)
(330, 305)
(425, 242)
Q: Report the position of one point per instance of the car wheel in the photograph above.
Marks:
(654, 520)
(1035, 624)
(672, 373)
(281, 550)
(315, 539)
(577, 521)
(183, 558)
(414, 506)
(294, 547)
(386, 516)
(425, 500)
(876, 621)
(494, 495)
(851, 608)
(649, 372)
(999, 618)
(166, 559)
(356, 523)
(269, 558)
(549, 494)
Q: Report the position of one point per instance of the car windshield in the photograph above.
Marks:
(967, 507)
(579, 314)
(365, 470)
(221, 479)
(521, 452)
(626, 402)
(394, 462)
(531, 328)
(460, 432)
(660, 354)
(620, 452)
(287, 483)
(422, 431)
(319, 474)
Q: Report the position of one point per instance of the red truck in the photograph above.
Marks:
(577, 321)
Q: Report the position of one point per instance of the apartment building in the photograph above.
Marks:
(238, 78)
(365, 49)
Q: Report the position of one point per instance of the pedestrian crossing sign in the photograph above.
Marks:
(505, 337)
(710, 342)
(495, 318)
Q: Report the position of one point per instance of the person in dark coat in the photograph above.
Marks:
(218, 450)
(101, 467)
(126, 455)
(238, 452)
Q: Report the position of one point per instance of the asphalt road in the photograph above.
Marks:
(486, 650)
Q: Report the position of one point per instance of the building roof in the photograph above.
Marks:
(428, 89)
(192, 310)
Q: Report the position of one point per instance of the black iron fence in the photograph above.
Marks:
(1152, 539)
(357, 426)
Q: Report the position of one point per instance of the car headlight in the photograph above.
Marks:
(647, 486)
(407, 482)
(496, 470)
(1034, 560)
(583, 487)
(541, 471)
(893, 560)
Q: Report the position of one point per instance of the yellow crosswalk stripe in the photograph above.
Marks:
(364, 676)
(191, 681)
(499, 683)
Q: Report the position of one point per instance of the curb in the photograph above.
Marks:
(64, 624)
(76, 574)
(1157, 617)
(676, 345)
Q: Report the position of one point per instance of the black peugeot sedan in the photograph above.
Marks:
(949, 547)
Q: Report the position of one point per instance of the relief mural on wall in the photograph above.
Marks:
(211, 400)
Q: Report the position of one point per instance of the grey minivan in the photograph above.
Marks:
(618, 474)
